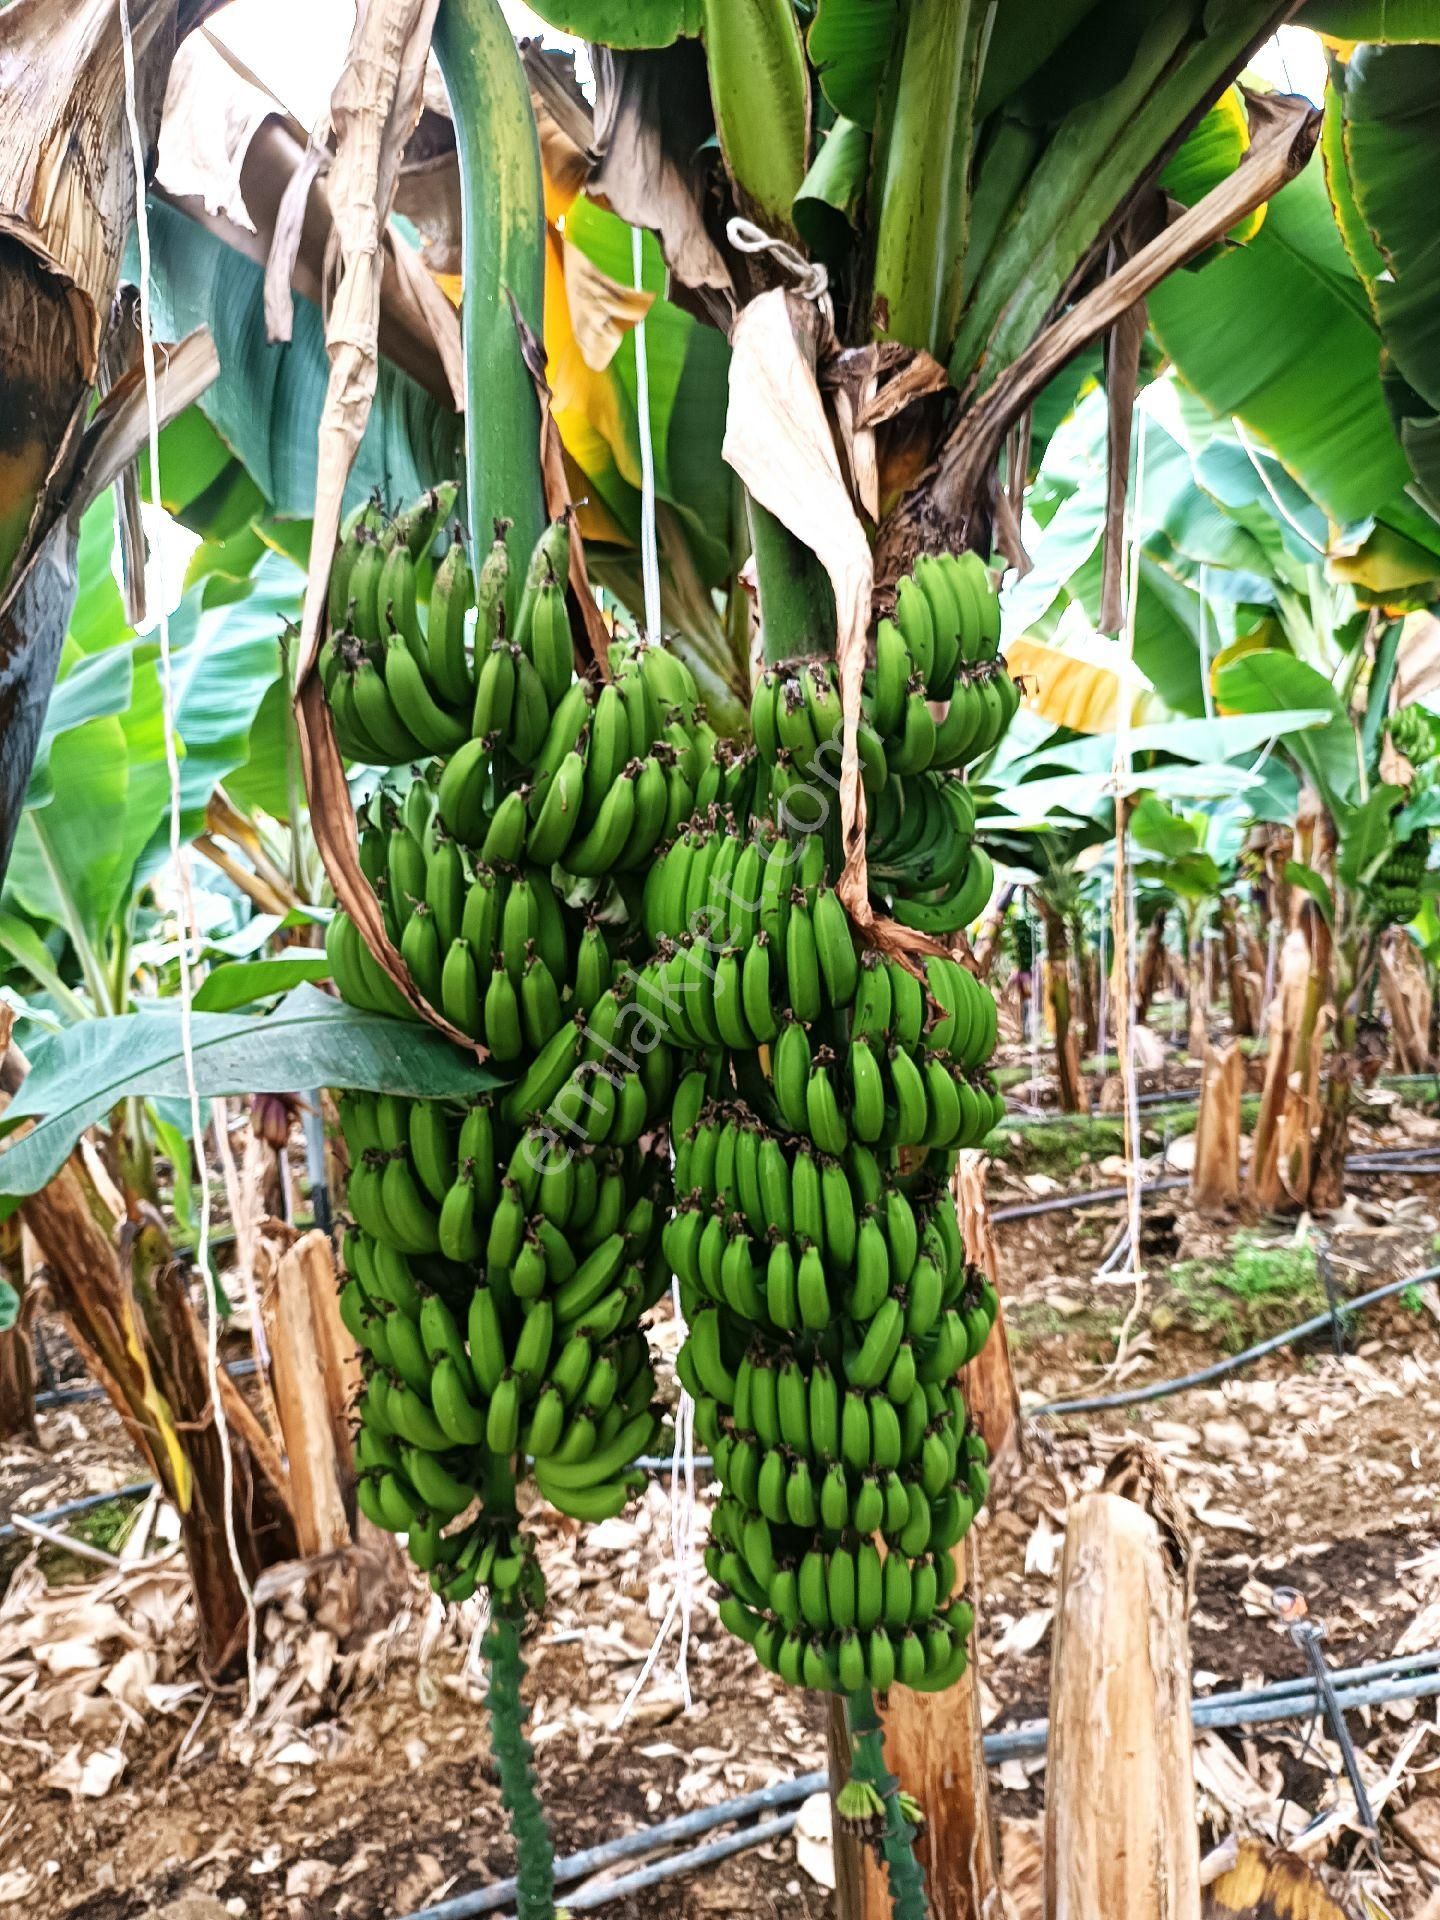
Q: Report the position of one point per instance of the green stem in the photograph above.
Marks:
(504, 261)
(797, 602)
(924, 192)
(897, 1843)
(760, 92)
(514, 1761)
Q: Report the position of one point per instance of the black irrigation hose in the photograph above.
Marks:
(1162, 1389)
(1103, 1196)
(1016, 1742)
(1096, 1197)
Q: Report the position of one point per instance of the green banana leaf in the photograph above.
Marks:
(625, 23)
(1392, 20)
(831, 198)
(1112, 96)
(310, 1040)
(1391, 155)
(96, 825)
(1269, 681)
(240, 983)
(1201, 741)
(267, 401)
(1159, 829)
(1310, 388)
(849, 43)
(688, 368)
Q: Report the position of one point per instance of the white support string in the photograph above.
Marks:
(186, 918)
(1123, 771)
(649, 544)
(1206, 695)
(682, 1459)
(1103, 990)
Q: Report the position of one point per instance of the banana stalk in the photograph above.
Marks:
(923, 193)
(797, 604)
(760, 90)
(514, 1759)
(897, 1843)
(504, 262)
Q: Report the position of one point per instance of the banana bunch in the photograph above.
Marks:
(1415, 732)
(496, 1278)
(821, 1267)
(504, 1249)
(822, 1094)
(1393, 896)
(939, 649)
(397, 682)
(609, 773)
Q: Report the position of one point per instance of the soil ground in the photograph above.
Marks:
(359, 1786)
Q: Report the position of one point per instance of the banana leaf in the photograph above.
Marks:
(266, 404)
(625, 23)
(1390, 20)
(1309, 387)
(1391, 155)
(849, 44)
(1270, 681)
(310, 1040)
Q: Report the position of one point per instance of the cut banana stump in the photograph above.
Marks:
(504, 1251)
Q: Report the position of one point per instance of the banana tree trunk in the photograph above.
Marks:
(17, 1353)
(1067, 1051)
(1354, 970)
(1197, 1012)
(1280, 1161)
(1151, 972)
(1086, 969)
(988, 944)
(126, 1309)
(1242, 1005)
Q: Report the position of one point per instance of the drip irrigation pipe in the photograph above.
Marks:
(1162, 1389)
(685, 1826)
(137, 1490)
(1017, 1743)
(1295, 1699)
(1178, 1097)
(1096, 1197)
(72, 1396)
(1104, 1196)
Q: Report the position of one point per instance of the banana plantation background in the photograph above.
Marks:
(718, 1117)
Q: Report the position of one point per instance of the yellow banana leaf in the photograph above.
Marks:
(1080, 687)
(157, 1409)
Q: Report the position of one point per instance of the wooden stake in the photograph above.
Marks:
(1121, 1841)
(1215, 1177)
(988, 1381)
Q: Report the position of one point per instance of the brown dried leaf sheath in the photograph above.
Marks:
(374, 109)
(778, 440)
